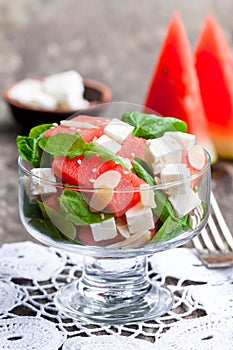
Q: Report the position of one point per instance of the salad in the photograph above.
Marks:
(112, 182)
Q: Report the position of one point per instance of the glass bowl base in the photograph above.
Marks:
(155, 302)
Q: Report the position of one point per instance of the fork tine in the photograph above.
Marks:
(203, 236)
(222, 223)
(214, 244)
(197, 244)
(206, 239)
(216, 235)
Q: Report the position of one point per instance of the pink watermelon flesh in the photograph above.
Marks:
(78, 171)
(214, 67)
(97, 121)
(87, 134)
(132, 147)
(174, 89)
(125, 196)
(59, 129)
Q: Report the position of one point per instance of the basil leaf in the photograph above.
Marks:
(28, 150)
(64, 145)
(46, 227)
(149, 126)
(104, 154)
(142, 170)
(163, 208)
(28, 147)
(31, 209)
(72, 146)
(38, 131)
(65, 227)
(75, 207)
(171, 228)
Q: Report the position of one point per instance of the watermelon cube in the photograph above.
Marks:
(126, 194)
(59, 129)
(132, 147)
(87, 133)
(77, 171)
(83, 172)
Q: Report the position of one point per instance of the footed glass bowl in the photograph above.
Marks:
(126, 213)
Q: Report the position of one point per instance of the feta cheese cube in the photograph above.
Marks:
(186, 140)
(41, 181)
(25, 180)
(175, 172)
(104, 230)
(162, 151)
(118, 130)
(147, 196)
(108, 143)
(184, 203)
(139, 219)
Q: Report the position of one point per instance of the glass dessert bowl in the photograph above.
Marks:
(115, 189)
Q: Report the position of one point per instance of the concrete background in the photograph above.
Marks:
(113, 41)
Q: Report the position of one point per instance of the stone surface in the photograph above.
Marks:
(114, 42)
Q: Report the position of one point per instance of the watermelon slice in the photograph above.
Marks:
(174, 89)
(132, 147)
(126, 195)
(83, 172)
(77, 171)
(214, 66)
(59, 129)
(88, 134)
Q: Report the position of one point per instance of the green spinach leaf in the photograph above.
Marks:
(66, 228)
(104, 154)
(46, 227)
(171, 228)
(28, 147)
(72, 146)
(164, 208)
(64, 145)
(31, 209)
(150, 126)
(75, 207)
(141, 169)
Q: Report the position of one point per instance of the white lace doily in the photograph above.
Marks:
(182, 263)
(29, 333)
(10, 296)
(204, 333)
(30, 260)
(106, 342)
(31, 274)
(215, 299)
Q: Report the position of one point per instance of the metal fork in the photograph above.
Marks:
(214, 244)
